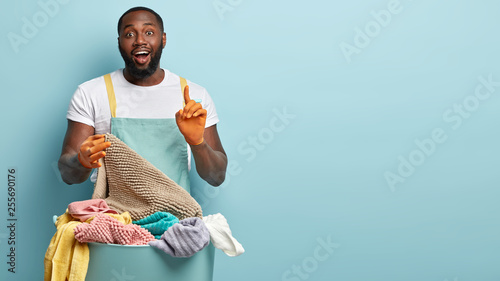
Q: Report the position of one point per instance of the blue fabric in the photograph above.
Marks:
(157, 223)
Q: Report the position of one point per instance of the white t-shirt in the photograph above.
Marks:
(90, 104)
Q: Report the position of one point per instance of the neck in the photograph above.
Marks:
(152, 80)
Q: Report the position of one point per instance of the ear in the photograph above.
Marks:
(164, 40)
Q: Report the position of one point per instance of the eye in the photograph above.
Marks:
(149, 33)
(129, 34)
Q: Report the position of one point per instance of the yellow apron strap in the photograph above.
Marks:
(111, 94)
(183, 85)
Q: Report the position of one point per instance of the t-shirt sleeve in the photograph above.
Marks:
(80, 108)
(208, 104)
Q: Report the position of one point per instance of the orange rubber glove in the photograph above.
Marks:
(91, 150)
(191, 120)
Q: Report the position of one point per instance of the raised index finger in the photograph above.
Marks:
(186, 94)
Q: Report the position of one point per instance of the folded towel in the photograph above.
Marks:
(106, 229)
(184, 239)
(221, 236)
(157, 223)
(83, 210)
(136, 186)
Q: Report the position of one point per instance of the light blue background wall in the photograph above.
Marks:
(321, 174)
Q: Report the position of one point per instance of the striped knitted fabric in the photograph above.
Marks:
(106, 229)
(157, 223)
(130, 183)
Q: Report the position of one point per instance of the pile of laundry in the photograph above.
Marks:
(92, 220)
(133, 203)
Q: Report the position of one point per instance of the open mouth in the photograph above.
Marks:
(141, 57)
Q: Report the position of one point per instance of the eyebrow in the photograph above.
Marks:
(147, 23)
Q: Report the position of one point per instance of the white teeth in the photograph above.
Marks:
(142, 53)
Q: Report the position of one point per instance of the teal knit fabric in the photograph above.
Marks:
(157, 223)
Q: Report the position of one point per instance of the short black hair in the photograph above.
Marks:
(158, 18)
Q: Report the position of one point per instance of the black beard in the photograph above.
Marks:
(141, 73)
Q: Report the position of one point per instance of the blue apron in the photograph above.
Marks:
(157, 140)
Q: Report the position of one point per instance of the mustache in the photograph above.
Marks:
(141, 73)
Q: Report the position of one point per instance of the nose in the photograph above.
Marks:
(139, 40)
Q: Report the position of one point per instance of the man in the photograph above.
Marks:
(145, 106)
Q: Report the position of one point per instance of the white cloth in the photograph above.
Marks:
(90, 104)
(221, 236)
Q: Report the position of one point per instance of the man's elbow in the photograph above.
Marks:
(62, 170)
(218, 179)
(66, 180)
(68, 174)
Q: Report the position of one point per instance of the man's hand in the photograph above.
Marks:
(91, 150)
(191, 120)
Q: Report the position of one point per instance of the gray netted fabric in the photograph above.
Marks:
(130, 183)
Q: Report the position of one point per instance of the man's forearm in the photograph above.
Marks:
(210, 164)
(71, 170)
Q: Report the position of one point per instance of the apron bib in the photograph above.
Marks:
(157, 140)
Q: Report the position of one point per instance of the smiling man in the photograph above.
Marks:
(160, 115)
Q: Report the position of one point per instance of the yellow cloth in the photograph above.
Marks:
(66, 258)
